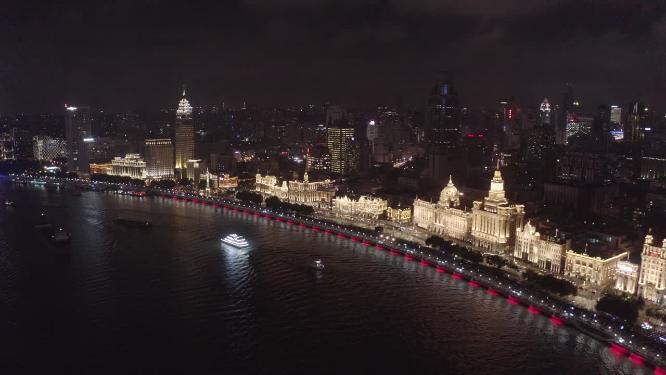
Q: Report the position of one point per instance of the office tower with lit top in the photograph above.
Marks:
(78, 134)
(184, 134)
(159, 159)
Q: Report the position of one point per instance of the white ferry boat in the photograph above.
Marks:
(235, 240)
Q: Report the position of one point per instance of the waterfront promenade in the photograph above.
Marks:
(620, 338)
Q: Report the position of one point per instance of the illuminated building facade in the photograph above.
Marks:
(78, 132)
(132, 165)
(193, 169)
(547, 253)
(311, 193)
(101, 168)
(494, 220)
(592, 269)
(400, 215)
(365, 206)
(46, 148)
(184, 132)
(652, 280)
(227, 181)
(626, 277)
(159, 159)
(445, 217)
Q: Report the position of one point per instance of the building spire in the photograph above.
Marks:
(184, 89)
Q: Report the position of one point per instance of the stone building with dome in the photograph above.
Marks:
(445, 217)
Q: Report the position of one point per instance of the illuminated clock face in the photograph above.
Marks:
(545, 106)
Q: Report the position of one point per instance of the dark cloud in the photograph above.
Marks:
(134, 54)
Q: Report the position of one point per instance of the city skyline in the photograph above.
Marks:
(134, 55)
(184, 186)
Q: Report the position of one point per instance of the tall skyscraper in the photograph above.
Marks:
(442, 128)
(78, 133)
(565, 113)
(184, 136)
(159, 159)
(442, 123)
(616, 130)
(635, 122)
(341, 145)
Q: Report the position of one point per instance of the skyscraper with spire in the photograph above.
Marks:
(184, 134)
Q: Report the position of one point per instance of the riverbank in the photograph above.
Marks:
(536, 302)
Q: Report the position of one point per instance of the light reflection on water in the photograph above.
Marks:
(173, 299)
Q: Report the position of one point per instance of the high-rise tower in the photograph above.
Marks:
(159, 158)
(78, 132)
(184, 135)
(442, 129)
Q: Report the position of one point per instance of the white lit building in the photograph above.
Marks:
(626, 277)
(652, 280)
(494, 220)
(227, 181)
(445, 217)
(400, 215)
(547, 253)
(365, 206)
(311, 193)
(592, 269)
(159, 158)
(132, 165)
(193, 169)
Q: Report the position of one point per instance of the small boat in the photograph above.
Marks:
(235, 240)
(318, 265)
(61, 237)
(133, 223)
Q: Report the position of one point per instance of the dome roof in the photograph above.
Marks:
(450, 193)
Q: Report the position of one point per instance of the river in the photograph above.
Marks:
(172, 299)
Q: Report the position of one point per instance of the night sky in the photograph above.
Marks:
(133, 54)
